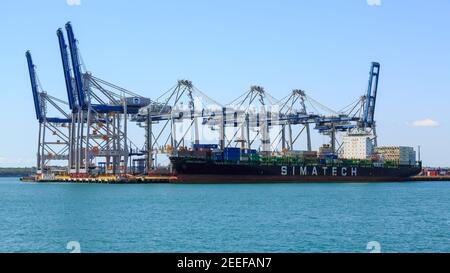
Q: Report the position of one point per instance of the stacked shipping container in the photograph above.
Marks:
(400, 154)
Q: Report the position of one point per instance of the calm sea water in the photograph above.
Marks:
(401, 217)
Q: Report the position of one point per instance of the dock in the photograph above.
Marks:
(162, 179)
(445, 178)
(158, 179)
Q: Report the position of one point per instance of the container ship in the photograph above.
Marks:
(206, 164)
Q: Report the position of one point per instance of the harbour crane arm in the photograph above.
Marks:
(371, 97)
(67, 69)
(76, 65)
(34, 87)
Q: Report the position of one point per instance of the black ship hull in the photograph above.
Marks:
(210, 172)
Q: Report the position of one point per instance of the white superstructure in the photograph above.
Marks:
(357, 146)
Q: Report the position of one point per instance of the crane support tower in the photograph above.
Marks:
(54, 132)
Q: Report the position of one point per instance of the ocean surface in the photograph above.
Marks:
(393, 217)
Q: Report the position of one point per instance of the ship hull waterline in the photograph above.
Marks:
(188, 172)
(232, 179)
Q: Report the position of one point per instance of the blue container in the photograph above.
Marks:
(232, 150)
(232, 158)
(328, 156)
(233, 154)
(205, 146)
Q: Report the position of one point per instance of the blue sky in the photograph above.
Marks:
(323, 47)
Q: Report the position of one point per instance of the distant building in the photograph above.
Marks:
(428, 171)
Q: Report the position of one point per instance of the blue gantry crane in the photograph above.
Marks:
(72, 98)
(371, 97)
(53, 137)
(100, 112)
(358, 116)
(76, 66)
(368, 121)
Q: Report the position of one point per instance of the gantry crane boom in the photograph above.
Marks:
(371, 97)
(76, 66)
(34, 87)
(67, 70)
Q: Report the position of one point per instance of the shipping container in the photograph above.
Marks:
(232, 150)
(232, 154)
(328, 156)
(202, 150)
(325, 149)
(249, 151)
(294, 152)
(199, 154)
(254, 157)
(205, 146)
(232, 157)
(310, 153)
(184, 153)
